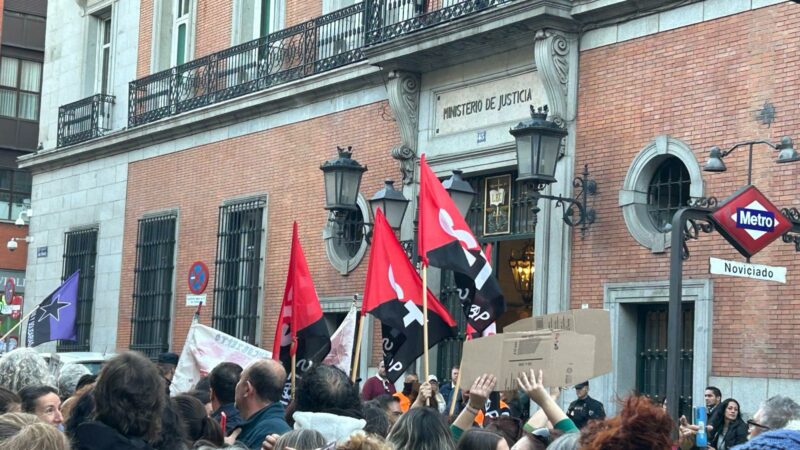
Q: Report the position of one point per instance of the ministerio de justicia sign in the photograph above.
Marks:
(487, 103)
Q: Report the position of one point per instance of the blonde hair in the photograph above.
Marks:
(365, 442)
(30, 433)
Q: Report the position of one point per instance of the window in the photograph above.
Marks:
(237, 281)
(253, 19)
(15, 191)
(104, 55)
(80, 253)
(20, 84)
(661, 178)
(180, 31)
(344, 240)
(668, 191)
(152, 286)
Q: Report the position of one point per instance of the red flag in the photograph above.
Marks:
(301, 330)
(393, 294)
(445, 241)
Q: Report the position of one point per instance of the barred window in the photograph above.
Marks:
(237, 281)
(668, 191)
(345, 242)
(153, 285)
(80, 253)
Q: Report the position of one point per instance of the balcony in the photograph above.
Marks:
(84, 120)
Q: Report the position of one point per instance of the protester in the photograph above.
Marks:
(440, 402)
(776, 413)
(712, 397)
(585, 408)
(421, 429)
(477, 439)
(377, 420)
(391, 405)
(406, 396)
(205, 399)
(639, 425)
(9, 401)
(129, 402)
(300, 440)
(173, 430)
(447, 390)
(362, 442)
(167, 363)
(199, 426)
(85, 383)
(727, 427)
(68, 377)
(569, 441)
(42, 401)
(327, 401)
(510, 428)
(23, 366)
(479, 391)
(81, 411)
(222, 385)
(377, 385)
(20, 431)
(257, 397)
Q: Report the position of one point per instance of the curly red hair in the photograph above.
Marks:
(640, 425)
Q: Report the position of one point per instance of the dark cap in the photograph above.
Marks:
(582, 385)
(168, 358)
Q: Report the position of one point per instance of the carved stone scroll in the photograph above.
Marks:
(551, 50)
(403, 93)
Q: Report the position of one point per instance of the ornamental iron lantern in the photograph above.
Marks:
(538, 147)
(460, 191)
(522, 268)
(342, 181)
(392, 202)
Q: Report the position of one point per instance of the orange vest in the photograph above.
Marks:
(405, 402)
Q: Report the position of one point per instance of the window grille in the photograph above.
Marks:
(153, 285)
(348, 234)
(80, 253)
(668, 191)
(237, 286)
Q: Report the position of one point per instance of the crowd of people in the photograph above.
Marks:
(127, 406)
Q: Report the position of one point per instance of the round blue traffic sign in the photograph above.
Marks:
(198, 277)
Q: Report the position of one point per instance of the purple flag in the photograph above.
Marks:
(54, 318)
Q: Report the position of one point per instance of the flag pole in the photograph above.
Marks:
(18, 324)
(455, 392)
(425, 319)
(294, 373)
(357, 353)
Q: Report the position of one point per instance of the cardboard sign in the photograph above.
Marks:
(565, 357)
(595, 322)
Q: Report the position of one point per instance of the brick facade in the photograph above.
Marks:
(701, 84)
(13, 260)
(282, 163)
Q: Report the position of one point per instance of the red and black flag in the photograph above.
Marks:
(301, 329)
(393, 294)
(445, 241)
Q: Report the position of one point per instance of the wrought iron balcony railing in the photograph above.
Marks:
(321, 44)
(85, 119)
(316, 46)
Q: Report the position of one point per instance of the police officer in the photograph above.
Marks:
(585, 408)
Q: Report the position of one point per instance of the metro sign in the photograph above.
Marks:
(749, 221)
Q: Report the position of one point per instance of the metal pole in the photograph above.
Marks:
(674, 322)
(750, 165)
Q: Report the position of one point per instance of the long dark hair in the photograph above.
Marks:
(476, 439)
(197, 423)
(717, 420)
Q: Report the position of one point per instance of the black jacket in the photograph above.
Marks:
(233, 420)
(99, 436)
(735, 435)
(581, 411)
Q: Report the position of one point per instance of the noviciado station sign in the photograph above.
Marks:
(746, 270)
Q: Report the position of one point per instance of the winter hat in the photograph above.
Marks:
(22, 367)
(68, 378)
(773, 440)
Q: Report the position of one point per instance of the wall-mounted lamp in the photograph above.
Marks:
(785, 148)
(538, 149)
(522, 268)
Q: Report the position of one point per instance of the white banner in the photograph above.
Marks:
(745, 270)
(341, 354)
(206, 347)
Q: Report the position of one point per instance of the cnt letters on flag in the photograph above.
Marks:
(393, 294)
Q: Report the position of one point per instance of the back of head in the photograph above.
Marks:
(81, 412)
(364, 442)
(778, 411)
(267, 378)
(68, 377)
(31, 433)
(9, 401)
(29, 394)
(195, 420)
(129, 396)
(300, 440)
(639, 425)
(23, 366)
(87, 380)
(477, 439)
(223, 379)
(508, 427)
(569, 441)
(327, 389)
(203, 396)
(421, 429)
(377, 420)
